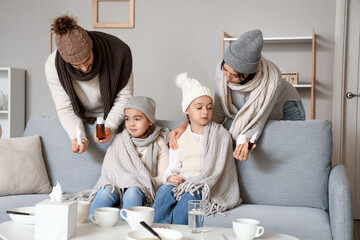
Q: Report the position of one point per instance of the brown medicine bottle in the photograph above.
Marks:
(100, 128)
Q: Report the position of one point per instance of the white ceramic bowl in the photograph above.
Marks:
(165, 234)
(24, 219)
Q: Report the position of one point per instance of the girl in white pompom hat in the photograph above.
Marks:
(202, 163)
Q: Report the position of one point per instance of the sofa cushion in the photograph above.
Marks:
(290, 165)
(22, 168)
(75, 172)
(300, 222)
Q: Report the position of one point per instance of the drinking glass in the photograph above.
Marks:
(196, 215)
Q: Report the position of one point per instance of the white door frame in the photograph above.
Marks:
(339, 79)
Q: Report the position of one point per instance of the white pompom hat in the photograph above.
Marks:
(191, 89)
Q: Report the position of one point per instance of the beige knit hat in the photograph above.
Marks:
(191, 89)
(72, 41)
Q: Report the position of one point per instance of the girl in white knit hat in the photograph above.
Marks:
(202, 163)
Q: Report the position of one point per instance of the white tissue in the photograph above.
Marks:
(56, 194)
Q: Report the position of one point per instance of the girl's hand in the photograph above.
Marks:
(242, 152)
(108, 134)
(175, 134)
(76, 148)
(175, 179)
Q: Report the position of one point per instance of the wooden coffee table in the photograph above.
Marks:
(89, 231)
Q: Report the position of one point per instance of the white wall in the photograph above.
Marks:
(172, 36)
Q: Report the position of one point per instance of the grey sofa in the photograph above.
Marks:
(287, 183)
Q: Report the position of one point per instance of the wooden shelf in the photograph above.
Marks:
(302, 85)
(305, 39)
(227, 39)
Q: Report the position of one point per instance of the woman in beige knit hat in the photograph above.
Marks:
(89, 75)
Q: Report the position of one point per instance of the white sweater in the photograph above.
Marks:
(190, 153)
(89, 95)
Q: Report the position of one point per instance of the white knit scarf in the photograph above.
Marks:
(218, 179)
(122, 168)
(262, 89)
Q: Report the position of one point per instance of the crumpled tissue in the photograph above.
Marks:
(56, 194)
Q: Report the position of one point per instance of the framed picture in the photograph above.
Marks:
(129, 24)
(291, 77)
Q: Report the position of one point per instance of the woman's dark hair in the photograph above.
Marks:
(239, 74)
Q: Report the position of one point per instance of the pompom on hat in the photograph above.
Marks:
(143, 104)
(191, 89)
(73, 42)
(244, 54)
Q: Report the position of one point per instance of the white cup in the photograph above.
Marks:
(247, 229)
(105, 216)
(83, 211)
(134, 215)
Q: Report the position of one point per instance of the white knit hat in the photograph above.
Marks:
(191, 89)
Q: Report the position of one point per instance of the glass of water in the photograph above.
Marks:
(196, 215)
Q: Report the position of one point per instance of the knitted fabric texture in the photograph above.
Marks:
(113, 63)
(191, 89)
(262, 90)
(244, 54)
(143, 104)
(75, 45)
(122, 168)
(218, 179)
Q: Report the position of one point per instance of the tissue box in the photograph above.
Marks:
(55, 221)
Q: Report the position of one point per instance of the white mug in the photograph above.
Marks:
(83, 211)
(105, 216)
(134, 215)
(247, 229)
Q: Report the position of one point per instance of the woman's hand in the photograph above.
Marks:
(108, 134)
(175, 179)
(76, 148)
(242, 152)
(175, 135)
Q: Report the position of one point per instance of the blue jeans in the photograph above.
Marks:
(293, 111)
(168, 210)
(133, 196)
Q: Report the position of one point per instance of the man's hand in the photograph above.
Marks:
(108, 134)
(76, 148)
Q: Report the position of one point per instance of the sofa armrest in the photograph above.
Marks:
(340, 204)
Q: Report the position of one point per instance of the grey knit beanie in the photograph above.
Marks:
(145, 105)
(244, 54)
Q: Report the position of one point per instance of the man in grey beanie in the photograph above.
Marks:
(249, 90)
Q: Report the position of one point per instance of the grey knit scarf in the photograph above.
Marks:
(152, 147)
(218, 179)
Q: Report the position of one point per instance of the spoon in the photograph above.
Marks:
(145, 225)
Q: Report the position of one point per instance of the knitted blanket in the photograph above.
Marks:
(262, 89)
(122, 168)
(218, 179)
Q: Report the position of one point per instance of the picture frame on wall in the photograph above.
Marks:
(129, 24)
(291, 77)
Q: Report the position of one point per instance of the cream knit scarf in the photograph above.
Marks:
(218, 179)
(262, 88)
(122, 168)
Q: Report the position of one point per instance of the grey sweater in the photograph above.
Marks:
(285, 92)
